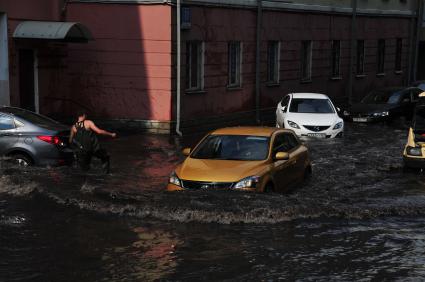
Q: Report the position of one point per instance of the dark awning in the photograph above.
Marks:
(61, 31)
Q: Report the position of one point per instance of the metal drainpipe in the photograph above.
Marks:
(178, 70)
(412, 44)
(352, 47)
(63, 10)
(258, 62)
(416, 46)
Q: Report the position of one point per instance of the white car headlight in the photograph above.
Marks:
(248, 182)
(174, 179)
(338, 125)
(381, 114)
(293, 124)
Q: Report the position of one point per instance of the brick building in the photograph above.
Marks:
(117, 58)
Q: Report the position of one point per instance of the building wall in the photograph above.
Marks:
(376, 6)
(42, 10)
(4, 62)
(47, 10)
(126, 71)
(216, 26)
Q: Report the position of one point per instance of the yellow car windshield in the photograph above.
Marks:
(233, 147)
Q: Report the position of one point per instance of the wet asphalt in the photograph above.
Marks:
(360, 216)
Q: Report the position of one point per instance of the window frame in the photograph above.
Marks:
(336, 59)
(307, 60)
(273, 46)
(284, 135)
(398, 55)
(360, 60)
(380, 58)
(200, 46)
(238, 64)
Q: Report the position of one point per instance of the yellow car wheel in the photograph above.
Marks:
(269, 188)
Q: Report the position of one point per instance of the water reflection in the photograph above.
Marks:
(76, 246)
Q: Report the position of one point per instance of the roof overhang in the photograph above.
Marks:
(58, 31)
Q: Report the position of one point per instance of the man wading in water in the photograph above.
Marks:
(83, 138)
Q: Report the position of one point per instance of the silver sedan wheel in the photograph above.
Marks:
(21, 162)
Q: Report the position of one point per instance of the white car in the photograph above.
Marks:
(309, 115)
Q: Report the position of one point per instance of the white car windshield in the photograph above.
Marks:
(312, 106)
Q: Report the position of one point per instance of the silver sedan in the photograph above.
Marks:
(28, 138)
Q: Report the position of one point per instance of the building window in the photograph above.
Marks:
(360, 57)
(336, 58)
(194, 65)
(399, 47)
(273, 62)
(381, 56)
(235, 64)
(306, 54)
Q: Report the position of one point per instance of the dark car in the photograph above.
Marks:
(32, 139)
(419, 84)
(384, 105)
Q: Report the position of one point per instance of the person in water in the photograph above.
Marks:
(84, 139)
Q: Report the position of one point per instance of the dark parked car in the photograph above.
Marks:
(419, 84)
(32, 139)
(384, 105)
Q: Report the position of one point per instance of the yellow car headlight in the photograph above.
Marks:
(414, 151)
(248, 182)
(174, 179)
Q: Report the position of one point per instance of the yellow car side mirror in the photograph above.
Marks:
(186, 151)
(281, 156)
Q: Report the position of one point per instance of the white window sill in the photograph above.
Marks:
(234, 87)
(272, 84)
(195, 91)
(306, 80)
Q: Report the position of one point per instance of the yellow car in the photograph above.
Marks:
(414, 151)
(261, 159)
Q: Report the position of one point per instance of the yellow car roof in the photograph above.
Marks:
(247, 130)
(422, 95)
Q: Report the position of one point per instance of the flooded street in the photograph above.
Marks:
(360, 217)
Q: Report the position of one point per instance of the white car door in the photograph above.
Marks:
(281, 110)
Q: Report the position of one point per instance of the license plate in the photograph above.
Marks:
(360, 119)
(317, 135)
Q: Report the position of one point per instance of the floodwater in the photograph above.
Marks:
(360, 217)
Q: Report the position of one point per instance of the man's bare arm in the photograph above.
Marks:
(72, 134)
(96, 129)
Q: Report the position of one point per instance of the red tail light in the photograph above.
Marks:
(50, 139)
